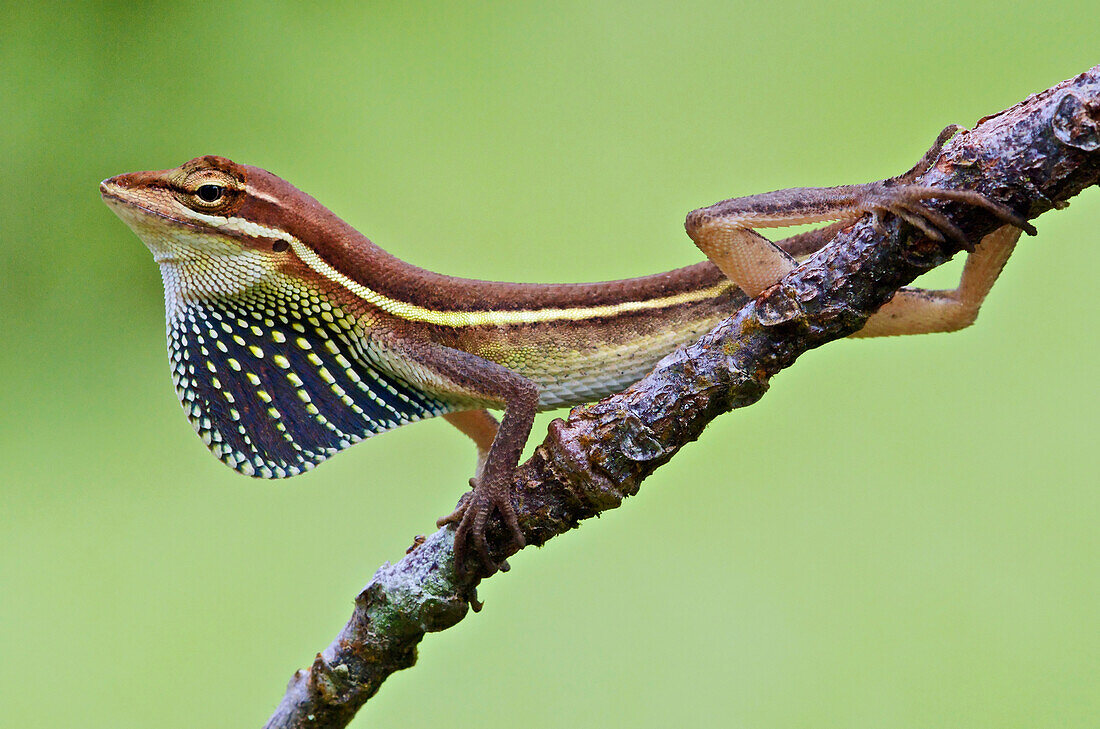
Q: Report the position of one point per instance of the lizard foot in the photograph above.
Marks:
(907, 201)
(898, 195)
(472, 515)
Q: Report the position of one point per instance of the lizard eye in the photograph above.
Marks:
(210, 193)
(204, 186)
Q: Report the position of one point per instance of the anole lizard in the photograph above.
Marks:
(293, 336)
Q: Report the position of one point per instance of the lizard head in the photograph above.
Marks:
(217, 227)
(262, 341)
(195, 220)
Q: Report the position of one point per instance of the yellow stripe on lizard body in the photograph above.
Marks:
(415, 312)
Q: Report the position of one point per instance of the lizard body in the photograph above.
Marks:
(293, 336)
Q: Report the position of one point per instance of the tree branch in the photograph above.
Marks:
(1032, 157)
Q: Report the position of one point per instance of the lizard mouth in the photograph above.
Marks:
(119, 201)
(145, 221)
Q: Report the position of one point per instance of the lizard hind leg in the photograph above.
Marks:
(747, 258)
(919, 311)
(725, 232)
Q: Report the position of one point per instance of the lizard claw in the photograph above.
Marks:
(472, 515)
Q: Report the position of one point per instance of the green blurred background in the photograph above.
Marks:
(903, 533)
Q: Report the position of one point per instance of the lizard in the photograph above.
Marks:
(292, 335)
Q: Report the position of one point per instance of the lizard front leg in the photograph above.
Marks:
(725, 231)
(457, 376)
(481, 427)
